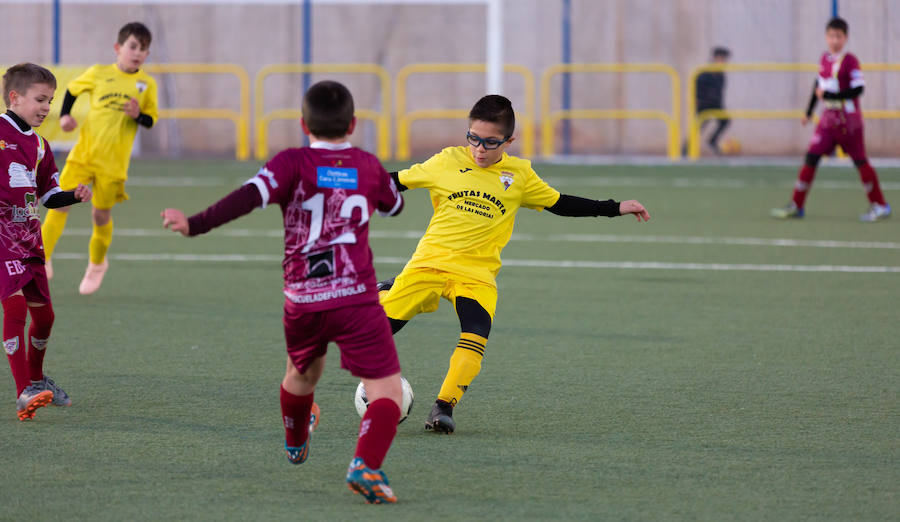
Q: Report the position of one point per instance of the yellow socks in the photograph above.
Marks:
(52, 229)
(465, 364)
(100, 240)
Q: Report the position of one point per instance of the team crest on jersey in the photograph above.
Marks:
(507, 179)
(28, 212)
(141, 86)
(11, 146)
(20, 176)
(11, 345)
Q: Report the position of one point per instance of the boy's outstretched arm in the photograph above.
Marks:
(240, 202)
(574, 206)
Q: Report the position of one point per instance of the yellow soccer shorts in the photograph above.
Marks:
(419, 290)
(108, 190)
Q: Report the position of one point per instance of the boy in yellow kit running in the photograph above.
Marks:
(122, 97)
(476, 192)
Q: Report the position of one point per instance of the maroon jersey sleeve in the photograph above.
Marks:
(47, 175)
(851, 75)
(275, 179)
(388, 201)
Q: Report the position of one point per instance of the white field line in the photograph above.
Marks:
(562, 181)
(573, 238)
(531, 263)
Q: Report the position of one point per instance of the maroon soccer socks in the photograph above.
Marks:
(376, 432)
(295, 410)
(15, 312)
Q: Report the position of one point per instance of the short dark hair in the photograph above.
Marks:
(138, 30)
(21, 77)
(495, 109)
(722, 52)
(328, 109)
(837, 23)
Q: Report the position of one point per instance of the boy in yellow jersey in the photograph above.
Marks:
(476, 192)
(122, 97)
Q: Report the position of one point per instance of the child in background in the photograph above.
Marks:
(122, 97)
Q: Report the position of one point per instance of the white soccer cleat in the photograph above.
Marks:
(93, 278)
(876, 213)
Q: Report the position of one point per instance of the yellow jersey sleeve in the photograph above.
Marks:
(537, 194)
(149, 102)
(426, 174)
(83, 83)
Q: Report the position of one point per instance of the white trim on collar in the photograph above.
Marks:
(330, 146)
(15, 125)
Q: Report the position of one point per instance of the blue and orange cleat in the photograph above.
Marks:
(370, 483)
(30, 400)
(299, 455)
(790, 211)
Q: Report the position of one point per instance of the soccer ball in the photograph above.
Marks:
(731, 147)
(362, 402)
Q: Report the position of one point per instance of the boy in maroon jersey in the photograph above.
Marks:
(839, 85)
(327, 192)
(30, 177)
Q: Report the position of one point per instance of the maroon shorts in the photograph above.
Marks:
(839, 128)
(30, 278)
(362, 333)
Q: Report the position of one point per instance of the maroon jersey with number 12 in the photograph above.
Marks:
(327, 193)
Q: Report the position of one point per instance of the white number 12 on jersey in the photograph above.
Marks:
(316, 207)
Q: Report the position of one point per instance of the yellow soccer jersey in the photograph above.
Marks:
(474, 210)
(107, 134)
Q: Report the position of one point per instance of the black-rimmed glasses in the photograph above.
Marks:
(487, 143)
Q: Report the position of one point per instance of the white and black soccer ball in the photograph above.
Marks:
(362, 402)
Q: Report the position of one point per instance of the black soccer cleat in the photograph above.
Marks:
(441, 418)
(385, 285)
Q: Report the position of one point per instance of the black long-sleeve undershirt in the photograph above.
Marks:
(847, 94)
(69, 101)
(570, 206)
(62, 199)
(574, 206)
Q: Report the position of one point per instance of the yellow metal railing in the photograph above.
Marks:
(240, 118)
(382, 118)
(549, 118)
(405, 120)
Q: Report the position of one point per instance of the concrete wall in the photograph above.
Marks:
(675, 32)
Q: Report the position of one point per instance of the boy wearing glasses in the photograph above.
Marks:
(476, 192)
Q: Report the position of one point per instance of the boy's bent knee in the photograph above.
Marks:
(473, 318)
(388, 387)
(101, 216)
(812, 160)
